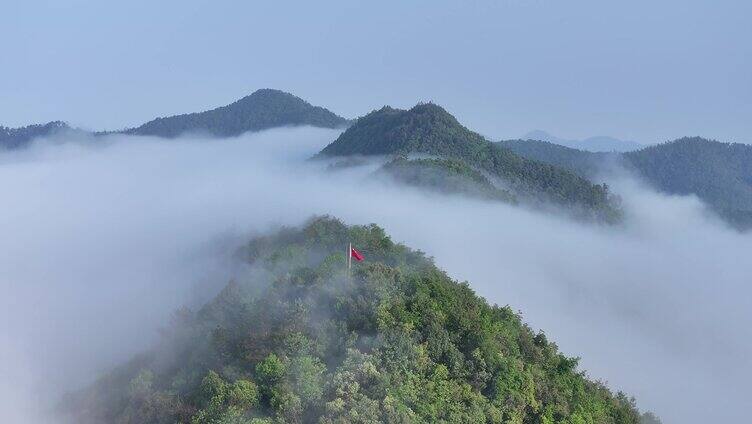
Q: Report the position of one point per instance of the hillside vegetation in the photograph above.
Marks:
(430, 130)
(300, 341)
(261, 110)
(14, 138)
(447, 176)
(720, 174)
(583, 163)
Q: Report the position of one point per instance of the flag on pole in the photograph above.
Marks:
(355, 254)
(352, 253)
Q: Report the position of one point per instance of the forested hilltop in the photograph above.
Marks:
(263, 109)
(720, 174)
(14, 138)
(428, 129)
(300, 341)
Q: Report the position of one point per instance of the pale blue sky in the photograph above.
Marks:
(643, 70)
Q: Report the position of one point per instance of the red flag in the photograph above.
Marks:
(355, 254)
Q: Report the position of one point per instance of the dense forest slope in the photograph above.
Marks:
(261, 110)
(300, 341)
(430, 130)
(720, 174)
(447, 176)
(586, 164)
(14, 138)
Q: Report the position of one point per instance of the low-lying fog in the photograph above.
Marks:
(101, 239)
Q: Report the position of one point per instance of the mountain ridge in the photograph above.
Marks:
(305, 339)
(429, 129)
(16, 138)
(263, 109)
(720, 174)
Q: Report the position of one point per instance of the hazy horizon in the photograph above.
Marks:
(640, 71)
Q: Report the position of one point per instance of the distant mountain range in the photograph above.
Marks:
(428, 129)
(720, 174)
(261, 110)
(592, 144)
(540, 168)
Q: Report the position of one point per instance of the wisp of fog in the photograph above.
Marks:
(103, 238)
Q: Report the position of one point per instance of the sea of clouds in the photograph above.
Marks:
(103, 238)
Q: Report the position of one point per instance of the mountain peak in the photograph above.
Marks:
(428, 129)
(428, 107)
(436, 112)
(425, 128)
(263, 109)
(270, 93)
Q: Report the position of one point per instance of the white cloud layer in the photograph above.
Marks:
(102, 239)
